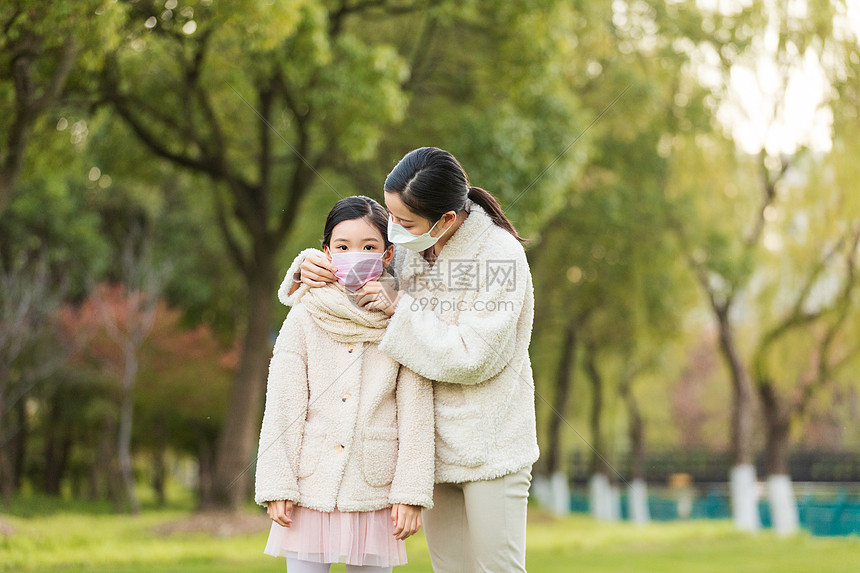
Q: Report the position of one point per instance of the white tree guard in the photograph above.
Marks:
(639, 512)
(744, 492)
(783, 504)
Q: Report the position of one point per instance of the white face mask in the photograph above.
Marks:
(400, 236)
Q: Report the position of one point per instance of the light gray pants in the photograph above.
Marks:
(479, 526)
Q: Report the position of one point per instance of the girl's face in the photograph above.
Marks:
(356, 235)
(415, 224)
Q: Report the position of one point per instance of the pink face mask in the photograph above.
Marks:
(356, 268)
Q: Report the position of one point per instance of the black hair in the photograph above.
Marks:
(431, 182)
(356, 207)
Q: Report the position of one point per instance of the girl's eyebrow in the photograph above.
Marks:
(365, 239)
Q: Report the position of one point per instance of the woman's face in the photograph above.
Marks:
(415, 224)
(356, 235)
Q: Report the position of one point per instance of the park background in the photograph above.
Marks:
(687, 173)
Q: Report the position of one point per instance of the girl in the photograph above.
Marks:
(462, 317)
(345, 461)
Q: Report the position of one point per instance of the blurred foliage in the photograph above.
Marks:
(220, 131)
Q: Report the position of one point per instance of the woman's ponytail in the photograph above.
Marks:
(489, 203)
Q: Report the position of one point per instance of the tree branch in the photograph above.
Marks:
(420, 51)
(58, 79)
(238, 256)
(826, 369)
(797, 317)
(768, 184)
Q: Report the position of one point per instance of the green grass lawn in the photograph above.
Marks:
(74, 539)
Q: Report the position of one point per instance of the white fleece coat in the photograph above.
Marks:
(344, 426)
(466, 324)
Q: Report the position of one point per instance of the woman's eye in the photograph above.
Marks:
(342, 247)
(369, 248)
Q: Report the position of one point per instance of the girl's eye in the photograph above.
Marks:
(369, 247)
(342, 247)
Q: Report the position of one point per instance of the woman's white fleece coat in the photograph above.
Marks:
(344, 426)
(471, 337)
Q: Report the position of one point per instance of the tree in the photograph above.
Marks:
(127, 314)
(726, 229)
(40, 46)
(28, 299)
(311, 90)
(623, 295)
(174, 413)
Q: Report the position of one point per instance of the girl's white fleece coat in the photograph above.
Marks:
(344, 426)
(466, 324)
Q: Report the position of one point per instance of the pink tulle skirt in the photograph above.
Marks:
(355, 538)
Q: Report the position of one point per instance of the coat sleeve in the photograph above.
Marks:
(474, 348)
(284, 416)
(414, 472)
(283, 291)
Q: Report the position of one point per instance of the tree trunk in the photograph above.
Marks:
(597, 465)
(63, 462)
(777, 431)
(51, 483)
(6, 476)
(638, 489)
(239, 434)
(636, 432)
(603, 496)
(21, 435)
(58, 443)
(205, 470)
(563, 386)
(552, 490)
(126, 471)
(159, 465)
(742, 397)
(780, 492)
(159, 474)
(742, 476)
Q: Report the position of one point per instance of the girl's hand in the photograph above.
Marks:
(280, 511)
(406, 519)
(316, 270)
(378, 295)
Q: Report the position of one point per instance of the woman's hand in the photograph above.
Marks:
(406, 519)
(378, 295)
(280, 511)
(316, 270)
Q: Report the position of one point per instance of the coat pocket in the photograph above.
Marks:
(379, 455)
(461, 435)
(313, 442)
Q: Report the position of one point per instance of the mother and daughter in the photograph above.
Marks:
(400, 390)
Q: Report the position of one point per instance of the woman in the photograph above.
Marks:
(462, 317)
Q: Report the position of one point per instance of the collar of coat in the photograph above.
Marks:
(335, 311)
(463, 244)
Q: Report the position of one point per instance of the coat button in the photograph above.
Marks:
(346, 396)
(351, 347)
